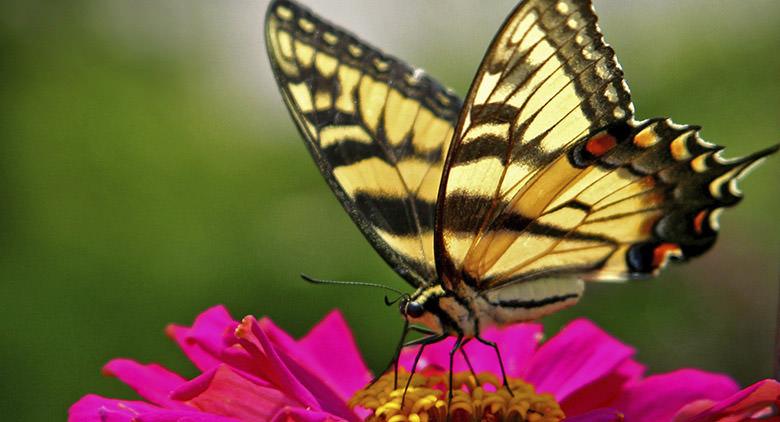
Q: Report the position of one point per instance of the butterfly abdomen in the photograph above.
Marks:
(526, 301)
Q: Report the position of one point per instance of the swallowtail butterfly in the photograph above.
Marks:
(498, 208)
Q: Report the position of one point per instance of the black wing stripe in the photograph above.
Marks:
(530, 304)
(393, 212)
(511, 221)
(360, 150)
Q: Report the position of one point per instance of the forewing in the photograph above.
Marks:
(377, 128)
(547, 80)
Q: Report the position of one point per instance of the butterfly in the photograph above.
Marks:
(498, 208)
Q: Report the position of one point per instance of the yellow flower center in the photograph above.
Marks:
(426, 400)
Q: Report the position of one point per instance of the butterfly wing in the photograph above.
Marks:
(549, 174)
(651, 190)
(377, 128)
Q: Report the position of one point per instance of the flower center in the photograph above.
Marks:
(426, 399)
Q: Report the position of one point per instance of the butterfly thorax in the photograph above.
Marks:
(468, 311)
(441, 310)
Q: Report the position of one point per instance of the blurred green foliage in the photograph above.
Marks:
(134, 194)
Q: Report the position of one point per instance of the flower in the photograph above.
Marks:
(588, 372)
(254, 371)
(584, 368)
(251, 371)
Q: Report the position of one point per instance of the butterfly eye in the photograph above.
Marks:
(414, 309)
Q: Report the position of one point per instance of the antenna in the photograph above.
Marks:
(350, 283)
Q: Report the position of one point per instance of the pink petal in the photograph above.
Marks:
(211, 327)
(517, 344)
(603, 392)
(737, 407)
(212, 341)
(693, 410)
(202, 359)
(170, 416)
(316, 358)
(256, 343)
(599, 415)
(178, 416)
(290, 414)
(204, 341)
(331, 338)
(580, 354)
(93, 408)
(223, 391)
(200, 383)
(325, 398)
(660, 397)
(152, 382)
(435, 355)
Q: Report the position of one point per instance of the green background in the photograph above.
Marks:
(149, 171)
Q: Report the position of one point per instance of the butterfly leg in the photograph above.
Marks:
(500, 361)
(422, 342)
(407, 328)
(394, 361)
(458, 344)
(468, 361)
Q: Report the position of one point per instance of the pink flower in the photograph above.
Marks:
(254, 371)
(586, 369)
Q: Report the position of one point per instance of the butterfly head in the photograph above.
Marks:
(422, 308)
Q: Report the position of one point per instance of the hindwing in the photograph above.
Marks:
(618, 205)
(652, 190)
(378, 129)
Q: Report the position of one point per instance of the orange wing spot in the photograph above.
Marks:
(662, 252)
(646, 138)
(600, 144)
(679, 149)
(699, 220)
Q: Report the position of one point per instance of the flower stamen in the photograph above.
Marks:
(483, 398)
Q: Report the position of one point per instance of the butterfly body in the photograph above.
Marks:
(467, 312)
